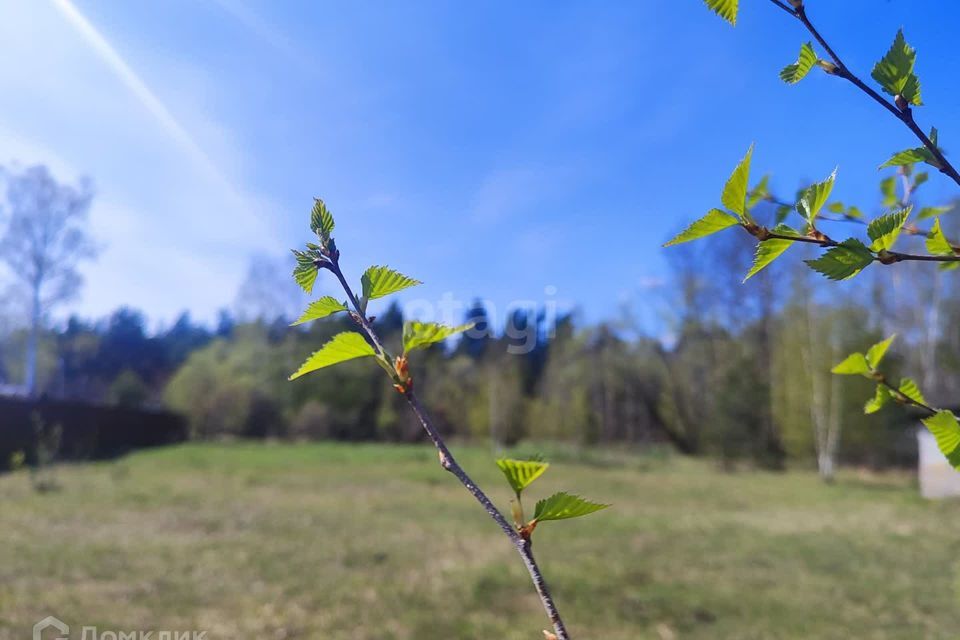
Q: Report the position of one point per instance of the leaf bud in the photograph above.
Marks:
(828, 66)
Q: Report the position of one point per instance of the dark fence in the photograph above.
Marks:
(80, 431)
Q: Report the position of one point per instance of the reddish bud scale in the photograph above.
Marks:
(526, 531)
(401, 366)
(754, 229)
(402, 369)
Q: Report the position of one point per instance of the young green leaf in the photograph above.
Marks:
(911, 90)
(878, 401)
(342, 347)
(421, 334)
(945, 429)
(853, 212)
(937, 243)
(378, 282)
(782, 212)
(876, 352)
(734, 195)
(321, 308)
(726, 9)
(321, 220)
(770, 250)
(853, 365)
(931, 212)
(815, 196)
(894, 72)
(909, 157)
(715, 220)
(885, 230)
(787, 230)
(843, 261)
(561, 506)
(305, 273)
(794, 73)
(760, 192)
(910, 389)
(521, 473)
(888, 188)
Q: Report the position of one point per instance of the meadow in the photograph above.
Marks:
(339, 541)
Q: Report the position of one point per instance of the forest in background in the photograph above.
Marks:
(732, 370)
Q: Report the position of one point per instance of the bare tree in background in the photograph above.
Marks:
(267, 293)
(45, 239)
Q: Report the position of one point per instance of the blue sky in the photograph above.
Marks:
(490, 149)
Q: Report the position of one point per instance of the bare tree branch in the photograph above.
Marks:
(883, 257)
(909, 228)
(449, 463)
(904, 398)
(783, 6)
(904, 114)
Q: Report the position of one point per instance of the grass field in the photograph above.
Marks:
(371, 542)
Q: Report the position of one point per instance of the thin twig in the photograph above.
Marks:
(884, 257)
(358, 314)
(896, 256)
(766, 234)
(790, 205)
(448, 462)
(904, 115)
(909, 229)
(904, 398)
(783, 6)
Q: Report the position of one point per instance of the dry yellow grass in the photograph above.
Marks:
(345, 542)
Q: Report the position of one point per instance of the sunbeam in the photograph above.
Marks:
(139, 88)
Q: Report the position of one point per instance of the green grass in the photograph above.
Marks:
(371, 542)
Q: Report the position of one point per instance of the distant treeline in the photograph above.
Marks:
(708, 392)
(738, 371)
